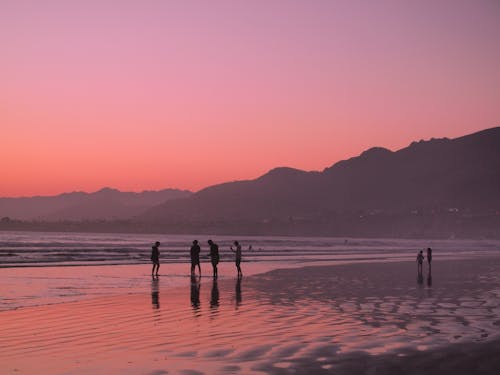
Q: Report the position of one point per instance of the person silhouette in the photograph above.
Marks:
(155, 258)
(195, 257)
(429, 257)
(238, 257)
(195, 292)
(214, 257)
(420, 260)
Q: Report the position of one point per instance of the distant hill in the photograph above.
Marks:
(435, 188)
(421, 184)
(103, 204)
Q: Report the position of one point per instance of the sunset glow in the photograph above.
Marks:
(146, 95)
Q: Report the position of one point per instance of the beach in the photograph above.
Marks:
(373, 318)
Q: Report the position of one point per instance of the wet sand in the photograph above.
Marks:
(346, 319)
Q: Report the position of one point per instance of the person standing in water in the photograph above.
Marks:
(214, 256)
(429, 257)
(238, 257)
(195, 257)
(420, 260)
(155, 258)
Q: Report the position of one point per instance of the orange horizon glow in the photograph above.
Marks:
(151, 95)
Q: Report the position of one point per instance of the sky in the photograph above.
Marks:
(146, 95)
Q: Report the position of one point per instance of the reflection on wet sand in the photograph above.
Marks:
(195, 292)
(351, 319)
(155, 292)
(420, 279)
(238, 292)
(214, 295)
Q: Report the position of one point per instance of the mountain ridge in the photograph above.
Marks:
(426, 176)
(432, 188)
(105, 203)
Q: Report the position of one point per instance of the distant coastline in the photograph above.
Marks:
(443, 225)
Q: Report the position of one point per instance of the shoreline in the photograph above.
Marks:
(130, 278)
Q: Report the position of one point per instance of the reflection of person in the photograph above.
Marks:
(429, 257)
(214, 295)
(195, 257)
(195, 292)
(238, 292)
(214, 256)
(420, 260)
(155, 293)
(155, 258)
(238, 257)
(420, 279)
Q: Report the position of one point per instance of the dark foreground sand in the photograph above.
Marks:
(478, 358)
(348, 319)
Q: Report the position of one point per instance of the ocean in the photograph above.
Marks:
(29, 249)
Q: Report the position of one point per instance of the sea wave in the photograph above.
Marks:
(43, 249)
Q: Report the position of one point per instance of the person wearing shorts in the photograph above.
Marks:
(429, 257)
(214, 256)
(155, 258)
(420, 260)
(195, 257)
(237, 251)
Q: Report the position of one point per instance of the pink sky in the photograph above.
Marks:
(143, 95)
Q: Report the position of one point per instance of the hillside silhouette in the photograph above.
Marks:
(435, 188)
(436, 180)
(106, 203)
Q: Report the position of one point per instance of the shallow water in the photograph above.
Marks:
(34, 286)
(49, 249)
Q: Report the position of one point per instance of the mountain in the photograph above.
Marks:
(412, 190)
(441, 173)
(103, 204)
(438, 188)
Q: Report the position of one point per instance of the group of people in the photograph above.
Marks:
(195, 257)
(215, 258)
(420, 259)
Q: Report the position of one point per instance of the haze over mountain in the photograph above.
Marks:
(436, 188)
(428, 177)
(106, 203)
